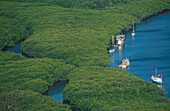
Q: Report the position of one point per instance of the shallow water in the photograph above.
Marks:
(56, 90)
(149, 49)
(16, 48)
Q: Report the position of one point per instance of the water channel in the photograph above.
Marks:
(16, 48)
(149, 49)
(56, 90)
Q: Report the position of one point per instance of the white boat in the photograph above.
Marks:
(156, 78)
(125, 63)
(120, 39)
(111, 50)
(133, 33)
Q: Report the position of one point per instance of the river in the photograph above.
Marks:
(149, 49)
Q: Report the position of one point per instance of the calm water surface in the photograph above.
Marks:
(149, 49)
(16, 48)
(56, 90)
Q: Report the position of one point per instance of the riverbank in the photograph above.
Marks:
(81, 37)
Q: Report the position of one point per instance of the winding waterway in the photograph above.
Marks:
(149, 49)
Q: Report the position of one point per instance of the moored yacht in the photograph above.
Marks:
(120, 39)
(156, 78)
(125, 63)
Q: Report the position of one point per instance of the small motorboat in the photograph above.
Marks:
(125, 63)
(111, 50)
(156, 78)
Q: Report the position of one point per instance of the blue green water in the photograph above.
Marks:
(149, 49)
(56, 90)
(16, 48)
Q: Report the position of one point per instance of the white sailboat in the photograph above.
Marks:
(133, 33)
(156, 78)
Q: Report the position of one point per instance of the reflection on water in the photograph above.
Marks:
(133, 38)
(149, 49)
(161, 86)
(120, 48)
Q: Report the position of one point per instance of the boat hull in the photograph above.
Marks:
(157, 80)
(120, 42)
(111, 50)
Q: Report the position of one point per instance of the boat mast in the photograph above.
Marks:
(161, 83)
(133, 28)
(161, 75)
(155, 71)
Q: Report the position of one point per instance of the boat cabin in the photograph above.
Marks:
(156, 78)
(120, 39)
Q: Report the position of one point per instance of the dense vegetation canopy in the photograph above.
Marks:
(78, 36)
(22, 100)
(106, 89)
(72, 35)
(18, 72)
(87, 4)
(21, 73)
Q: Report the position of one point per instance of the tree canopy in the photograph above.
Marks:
(96, 88)
(29, 75)
(72, 35)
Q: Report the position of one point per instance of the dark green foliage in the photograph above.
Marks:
(30, 74)
(37, 85)
(107, 89)
(29, 101)
(8, 56)
(77, 35)
(87, 4)
(12, 29)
